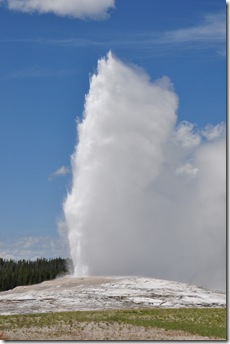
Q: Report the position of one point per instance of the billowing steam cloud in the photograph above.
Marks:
(148, 196)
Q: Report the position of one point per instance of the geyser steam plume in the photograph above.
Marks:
(148, 197)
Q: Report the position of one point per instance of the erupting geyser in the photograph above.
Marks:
(148, 197)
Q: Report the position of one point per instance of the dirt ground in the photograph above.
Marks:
(98, 331)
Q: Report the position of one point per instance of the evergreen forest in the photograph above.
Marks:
(26, 272)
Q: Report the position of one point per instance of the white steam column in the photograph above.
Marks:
(139, 182)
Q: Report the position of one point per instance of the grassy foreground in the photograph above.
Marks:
(209, 322)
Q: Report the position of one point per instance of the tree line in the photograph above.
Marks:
(26, 272)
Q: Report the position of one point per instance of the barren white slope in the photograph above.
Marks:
(91, 293)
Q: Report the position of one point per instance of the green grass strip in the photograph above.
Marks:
(210, 322)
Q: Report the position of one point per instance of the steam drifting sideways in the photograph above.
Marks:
(148, 194)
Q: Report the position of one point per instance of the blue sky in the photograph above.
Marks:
(47, 56)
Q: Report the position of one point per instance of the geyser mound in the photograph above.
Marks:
(147, 198)
(100, 293)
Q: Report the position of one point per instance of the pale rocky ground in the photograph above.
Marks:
(91, 293)
(100, 293)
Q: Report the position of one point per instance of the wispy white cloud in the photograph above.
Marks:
(72, 8)
(60, 172)
(210, 33)
(39, 72)
(212, 29)
(34, 247)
